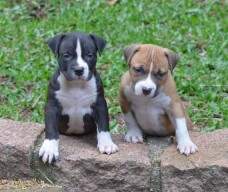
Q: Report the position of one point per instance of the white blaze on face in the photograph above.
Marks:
(80, 61)
(147, 83)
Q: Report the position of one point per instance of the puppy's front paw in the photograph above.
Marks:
(49, 151)
(134, 136)
(186, 147)
(105, 143)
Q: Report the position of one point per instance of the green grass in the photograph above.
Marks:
(197, 30)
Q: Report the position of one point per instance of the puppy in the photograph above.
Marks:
(148, 96)
(76, 103)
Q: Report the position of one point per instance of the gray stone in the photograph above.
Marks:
(83, 168)
(16, 142)
(206, 170)
(156, 166)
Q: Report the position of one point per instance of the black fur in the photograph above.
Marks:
(55, 121)
(100, 110)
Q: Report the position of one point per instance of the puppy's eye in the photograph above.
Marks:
(139, 70)
(67, 56)
(90, 55)
(160, 75)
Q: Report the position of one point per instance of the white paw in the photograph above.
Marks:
(134, 136)
(49, 151)
(187, 147)
(105, 143)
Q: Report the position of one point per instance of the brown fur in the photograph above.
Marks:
(124, 103)
(167, 124)
(153, 59)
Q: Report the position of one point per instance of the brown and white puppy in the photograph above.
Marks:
(148, 97)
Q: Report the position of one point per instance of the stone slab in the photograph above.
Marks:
(16, 142)
(206, 170)
(83, 168)
(156, 166)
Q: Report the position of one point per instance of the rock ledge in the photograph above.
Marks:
(154, 166)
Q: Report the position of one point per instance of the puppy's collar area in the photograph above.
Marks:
(82, 99)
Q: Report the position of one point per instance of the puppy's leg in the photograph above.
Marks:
(49, 150)
(184, 142)
(134, 133)
(104, 140)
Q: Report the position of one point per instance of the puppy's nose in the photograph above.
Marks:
(146, 91)
(79, 71)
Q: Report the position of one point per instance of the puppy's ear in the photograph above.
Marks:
(99, 43)
(172, 58)
(130, 51)
(54, 43)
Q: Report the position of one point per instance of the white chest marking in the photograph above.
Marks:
(147, 83)
(148, 110)
(76, 98)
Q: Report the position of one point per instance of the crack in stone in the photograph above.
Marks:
(156, 148)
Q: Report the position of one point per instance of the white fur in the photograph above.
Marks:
(76, 98)
(80, 61)
(145, 83)
(147, 111)
(184, 143)
(134, 133)
(49, 150)
(105, 143)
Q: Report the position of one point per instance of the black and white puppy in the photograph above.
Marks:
(76, 103)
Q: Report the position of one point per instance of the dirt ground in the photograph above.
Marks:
(27, 186)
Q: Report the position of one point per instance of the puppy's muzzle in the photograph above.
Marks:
(146, 91)
(79, 71)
